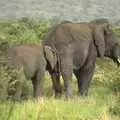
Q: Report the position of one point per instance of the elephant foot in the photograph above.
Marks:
(37, 96)
(68, 95)
(83, 94)
(57, 95)
(57, 92)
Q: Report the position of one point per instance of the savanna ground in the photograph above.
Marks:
(103, 102)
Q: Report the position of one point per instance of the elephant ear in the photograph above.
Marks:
(99, 40)
(50, 56)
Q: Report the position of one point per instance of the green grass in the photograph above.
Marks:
(94, 107)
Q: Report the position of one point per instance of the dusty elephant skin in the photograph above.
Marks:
(78, 45)
(31, 61)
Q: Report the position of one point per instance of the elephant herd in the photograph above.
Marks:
(67, 48)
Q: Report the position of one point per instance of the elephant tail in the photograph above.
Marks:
(58, 64)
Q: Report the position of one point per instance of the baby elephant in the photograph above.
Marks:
(31, 63)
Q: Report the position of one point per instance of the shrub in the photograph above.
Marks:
(8, 81)
(4, 80)
(115, 109)
(25, 30)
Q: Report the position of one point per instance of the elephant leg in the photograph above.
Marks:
(19, 84)
(37, 82)
(18, 92)
(34, 85)
(84, 76)
(77, 75)
(56, 85)
(85, 73)
(66, 71)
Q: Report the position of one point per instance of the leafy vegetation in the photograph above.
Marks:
(23, 31)
(103, 102)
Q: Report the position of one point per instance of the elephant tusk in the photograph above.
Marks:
(118, 59)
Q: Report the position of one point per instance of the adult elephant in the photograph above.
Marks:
(78, 45)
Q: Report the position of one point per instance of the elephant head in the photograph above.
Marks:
(106, 42)
(51, 56)
(112, 47)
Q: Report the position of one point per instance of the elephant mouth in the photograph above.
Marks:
(117, 60)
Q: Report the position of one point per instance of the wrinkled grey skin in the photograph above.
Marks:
(78, 45)
(31, 62)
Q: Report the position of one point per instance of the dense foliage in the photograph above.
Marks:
(23, 30)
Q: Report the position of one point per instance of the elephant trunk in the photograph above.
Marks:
(116, 54)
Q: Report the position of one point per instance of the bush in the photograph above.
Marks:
(4, 80)
(115, 109)
(8, 82)
(117, 31)
(25, 30)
